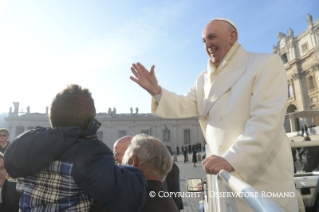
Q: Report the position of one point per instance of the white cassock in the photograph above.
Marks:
(241, 114)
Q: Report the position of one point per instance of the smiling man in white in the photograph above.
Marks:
(241, 101)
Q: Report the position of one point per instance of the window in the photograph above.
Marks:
(311, 83)
(284, 58)
(290, 91)
(187, 136)
(304, 47)
(122, 133)
(146, 132)
(100, 136)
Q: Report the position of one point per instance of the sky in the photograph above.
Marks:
(47, 45)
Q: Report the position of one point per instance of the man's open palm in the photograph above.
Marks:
(146, 79)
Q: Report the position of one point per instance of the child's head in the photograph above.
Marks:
(74, 106)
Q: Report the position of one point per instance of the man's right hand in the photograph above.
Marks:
(146, 79)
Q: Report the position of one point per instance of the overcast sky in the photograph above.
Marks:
(46, 45)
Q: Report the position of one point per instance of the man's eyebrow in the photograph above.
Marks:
(209, 35)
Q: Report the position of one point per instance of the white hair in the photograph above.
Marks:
(152, 155)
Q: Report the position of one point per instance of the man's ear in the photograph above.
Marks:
(234, 37)
(134, 160)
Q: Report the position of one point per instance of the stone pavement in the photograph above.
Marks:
(188, 171)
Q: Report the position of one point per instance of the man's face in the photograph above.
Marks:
(218, 38)
(3, 137)
(119, 149)
(118, 152)
(3, 172)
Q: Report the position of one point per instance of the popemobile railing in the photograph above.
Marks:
(258, 202)
(305, 143)
(216, 185)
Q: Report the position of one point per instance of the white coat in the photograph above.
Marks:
(241, 115)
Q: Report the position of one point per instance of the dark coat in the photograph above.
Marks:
(194, 160)
(4, 149)
(171, 184)
(158, 204)
(153, 204)
(94, 170)
(10, 197)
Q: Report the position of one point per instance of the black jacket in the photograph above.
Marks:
(10, 197)
(94, 171)
(172, 184)
(159, 203)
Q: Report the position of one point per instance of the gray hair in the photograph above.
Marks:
(152, 155)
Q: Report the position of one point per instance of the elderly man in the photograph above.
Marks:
(152, 157)
(120, 147)
(171, 182)
(4, 143)
(241, 101)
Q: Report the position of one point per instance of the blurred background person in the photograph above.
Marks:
(4, 143)
(9, 201)
(311, 154)
(120, 147)
(172, 184)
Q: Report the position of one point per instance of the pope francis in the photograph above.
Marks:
(240, 100)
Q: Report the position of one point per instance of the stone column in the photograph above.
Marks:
(298, 90)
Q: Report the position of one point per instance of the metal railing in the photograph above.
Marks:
(218, 183)
(305, 143)
(257, 202)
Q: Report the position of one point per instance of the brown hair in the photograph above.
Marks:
(74, 106)
(4, 130)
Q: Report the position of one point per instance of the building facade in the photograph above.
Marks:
(301, 59)
(173, 132)
(300, 55)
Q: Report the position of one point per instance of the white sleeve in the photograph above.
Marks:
(158, 97)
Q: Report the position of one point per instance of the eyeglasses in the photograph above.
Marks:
(116, 154)
(3, 135)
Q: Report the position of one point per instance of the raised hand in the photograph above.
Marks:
(146, 79)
